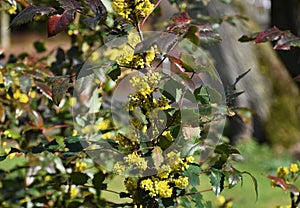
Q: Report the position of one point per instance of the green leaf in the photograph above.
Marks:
(193, 173)
(98, 180)
(75, 144)
(39, 46)
(254, 183)
(113, 72)
(226, 149)
(79, 178)
(217, 181)
(185, 201)
(2, 157)
(157, 156)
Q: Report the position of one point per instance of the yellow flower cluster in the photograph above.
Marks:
(119, 168)
(80, 166)
(145, 86)
(157, 187)
(137, 61)
(178, 163)
(136, 161)
(132, 8)
(163, 187)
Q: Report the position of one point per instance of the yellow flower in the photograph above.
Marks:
(221, 200)
(163, 188)
(294, 168)
(134, 160)
(189, 159)
(103, 125)
(74, 191)
(148, 185)
(182, 182)
(1, 78)
(119, 168)
(23, 98)
(80, 166)
(168, 135)
(72, 101)
(282, 171)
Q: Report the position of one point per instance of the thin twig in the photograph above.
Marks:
(144, 20)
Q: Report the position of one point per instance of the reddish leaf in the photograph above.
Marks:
(29, 13)
(269, 34)
(58, 23)
(279, 181)
(180, 21)
(45, 89)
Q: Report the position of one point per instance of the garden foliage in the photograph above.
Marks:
(63, 127)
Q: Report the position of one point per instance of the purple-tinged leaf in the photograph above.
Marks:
(269, 35)
(58, 23)
(29, 13)
(180, 21)
(45, 89)
(278, 181)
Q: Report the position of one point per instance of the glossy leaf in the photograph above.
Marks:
(279, 181)
(284, 39)
(217, 181)
(29, 13)
(287, 41)
(45, 89)
(269, 34)
(59, 23)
